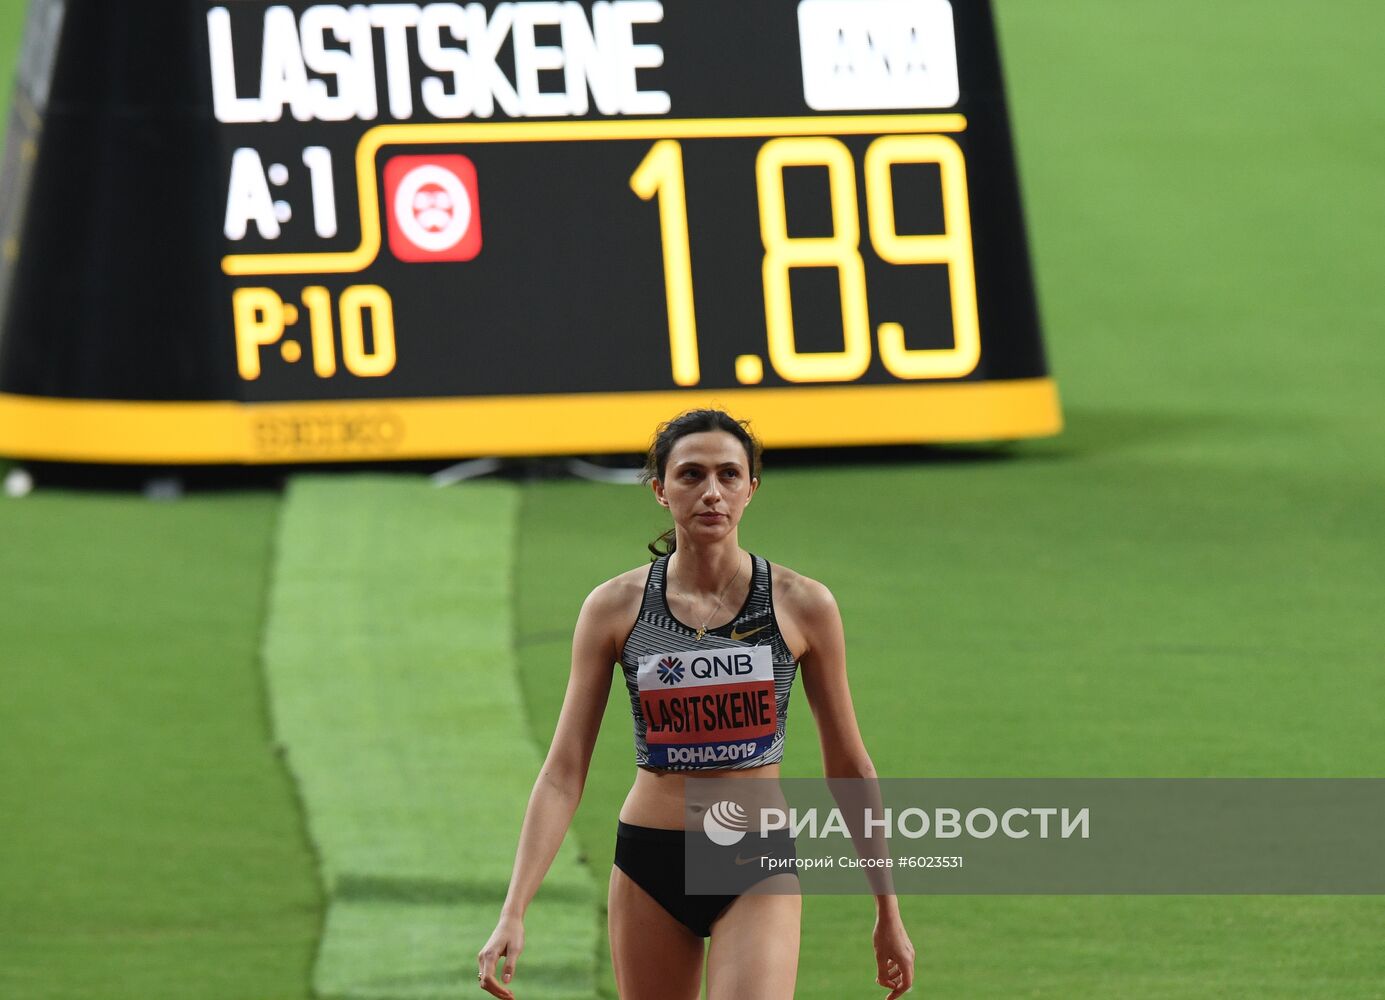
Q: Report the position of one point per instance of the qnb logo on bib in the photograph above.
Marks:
(432, 208)
(720, 711)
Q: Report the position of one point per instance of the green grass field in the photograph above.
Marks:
(1185, 583)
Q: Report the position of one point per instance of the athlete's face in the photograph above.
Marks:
(706, 484)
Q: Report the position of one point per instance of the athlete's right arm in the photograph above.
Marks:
(558, 788)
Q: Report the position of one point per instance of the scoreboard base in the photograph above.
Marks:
(233, 433)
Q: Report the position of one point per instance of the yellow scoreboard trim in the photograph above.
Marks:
(138, 432)
(351, 261)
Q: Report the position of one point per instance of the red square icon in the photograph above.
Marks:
(432, 208)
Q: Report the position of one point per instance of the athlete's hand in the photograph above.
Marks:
(506, 941)
(894, 956)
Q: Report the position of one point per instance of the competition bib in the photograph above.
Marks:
(707, 707)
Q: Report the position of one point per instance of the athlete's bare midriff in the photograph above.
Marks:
(657, 800)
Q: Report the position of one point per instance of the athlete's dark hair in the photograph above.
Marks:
(694, 422)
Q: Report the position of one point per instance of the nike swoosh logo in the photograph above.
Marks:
(738, 636)
(745, 861)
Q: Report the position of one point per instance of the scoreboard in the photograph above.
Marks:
(321, 232)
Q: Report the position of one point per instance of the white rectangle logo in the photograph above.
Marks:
(862, 55)
(705, 668)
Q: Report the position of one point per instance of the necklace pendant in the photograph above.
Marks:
(701, 632)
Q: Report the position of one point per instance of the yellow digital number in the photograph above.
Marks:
(841, 250)
(355, 301)
(319, 303)
(660, 174)
(951, 247)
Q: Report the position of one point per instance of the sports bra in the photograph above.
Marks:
(715, 702)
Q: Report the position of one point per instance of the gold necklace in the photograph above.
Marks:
(703, 630)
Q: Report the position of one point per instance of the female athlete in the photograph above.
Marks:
(704, 467)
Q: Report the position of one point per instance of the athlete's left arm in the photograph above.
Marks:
(818, 622)
(823, 667)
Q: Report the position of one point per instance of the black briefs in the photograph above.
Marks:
(655, 860)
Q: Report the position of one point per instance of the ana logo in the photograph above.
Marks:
(725, 823)
(432, 208)
(670, 670)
